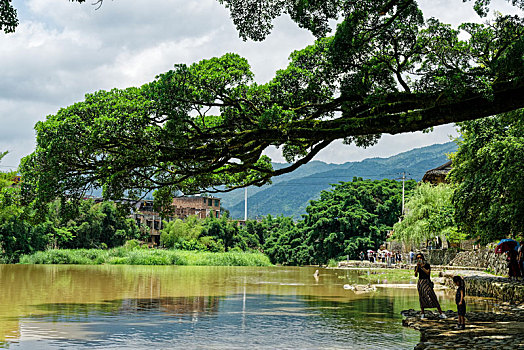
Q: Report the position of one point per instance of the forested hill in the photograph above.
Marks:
(290, 194)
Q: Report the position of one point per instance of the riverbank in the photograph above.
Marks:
(501, 330)
(487, 285)
(124, 256)
(357, 264)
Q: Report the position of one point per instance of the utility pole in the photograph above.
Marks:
(403, 178)
(403, 181)
(245, 204)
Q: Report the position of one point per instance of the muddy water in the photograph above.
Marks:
(157, 307)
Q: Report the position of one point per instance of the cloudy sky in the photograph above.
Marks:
(62, 50)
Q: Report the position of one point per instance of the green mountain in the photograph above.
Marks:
(290, 194)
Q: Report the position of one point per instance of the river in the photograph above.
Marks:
(187, 307)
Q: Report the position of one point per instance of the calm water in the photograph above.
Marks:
(161, 307)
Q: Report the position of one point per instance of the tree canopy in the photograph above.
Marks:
(204, 126)
(8, 17)
(489, 173)
(6, 178)
(352, 217)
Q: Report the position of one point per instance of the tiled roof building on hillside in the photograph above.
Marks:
(437, 175)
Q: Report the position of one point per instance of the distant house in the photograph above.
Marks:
(437, 175)
(202, 207)
(15, 181)
(183, 207)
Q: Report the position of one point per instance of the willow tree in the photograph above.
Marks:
(429, 215)
(204, 126)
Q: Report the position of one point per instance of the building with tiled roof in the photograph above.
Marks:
(437, 175)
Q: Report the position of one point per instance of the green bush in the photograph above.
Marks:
(118, 261)
(332, 263)
(132, 244)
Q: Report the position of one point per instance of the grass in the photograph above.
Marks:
(123, 256)
(332, 263)
(391, 275)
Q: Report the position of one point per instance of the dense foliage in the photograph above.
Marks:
(429, 214)
(8, 17)
(17, 235)
(212, 234)
(6, 178)
(205, 126)
(254, 20)
(87, 224)
(351, 217)
(59, 224)
(489, 172)
(346, 219)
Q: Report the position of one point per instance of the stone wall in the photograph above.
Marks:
(492, 287)
(484, 259)
(440, 256)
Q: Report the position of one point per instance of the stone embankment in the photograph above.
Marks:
(482, 259)
(484, 285)
(503, 330)
(485, 259)
(478, 283)
(371, 265)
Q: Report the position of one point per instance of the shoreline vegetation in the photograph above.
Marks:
(388, 275)
(124, 256)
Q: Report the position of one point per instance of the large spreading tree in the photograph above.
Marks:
(204, 127)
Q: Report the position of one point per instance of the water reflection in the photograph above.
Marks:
(167, 305)
(232, 322)
(197, 307)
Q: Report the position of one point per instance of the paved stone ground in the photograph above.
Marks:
(503, 330)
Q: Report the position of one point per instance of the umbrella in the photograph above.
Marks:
(370, 251)
(505, 245)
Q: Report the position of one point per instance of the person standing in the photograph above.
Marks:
(426, 295)
(521, 259)
(461, 303)
(411, 256)
(361, 256)
(513, 265)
